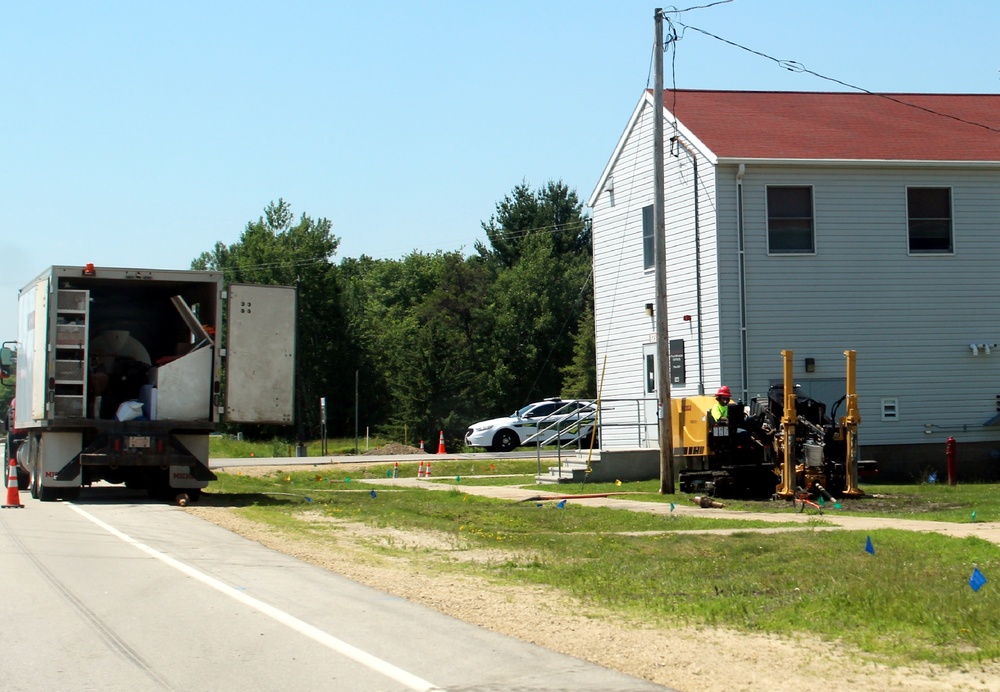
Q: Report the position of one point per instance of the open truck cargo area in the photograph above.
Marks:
(120, 372)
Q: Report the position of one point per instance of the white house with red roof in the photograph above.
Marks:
(825, 222)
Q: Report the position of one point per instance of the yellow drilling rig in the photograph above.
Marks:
(781, 445)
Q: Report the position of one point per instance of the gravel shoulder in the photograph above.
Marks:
(684, 658)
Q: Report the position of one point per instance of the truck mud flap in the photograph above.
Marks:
(70, 471)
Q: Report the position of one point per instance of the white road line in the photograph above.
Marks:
(355, 654)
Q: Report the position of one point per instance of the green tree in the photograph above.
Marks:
(415, 320)
(580, 375)
(540, 256)
(553, 210)
(277, 249)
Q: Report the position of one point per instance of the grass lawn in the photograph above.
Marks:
(909, 601)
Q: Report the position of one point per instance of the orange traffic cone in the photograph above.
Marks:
(427, 470)
(421, 445)
(420, 471)
(13, 498)
(395, 470)
(441, 449)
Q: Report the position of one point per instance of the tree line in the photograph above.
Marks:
(432, 341)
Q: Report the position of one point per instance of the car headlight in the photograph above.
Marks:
(483, 428)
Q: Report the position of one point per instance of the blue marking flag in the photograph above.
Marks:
(373, 494)
(933, 477)
(977, 579)
(561, 504)
(308, 499)
(869, 548)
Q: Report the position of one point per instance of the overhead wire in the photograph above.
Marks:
(793, 66)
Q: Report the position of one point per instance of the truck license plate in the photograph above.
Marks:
(135, 441)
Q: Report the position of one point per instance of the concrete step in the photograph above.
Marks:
(572, 470)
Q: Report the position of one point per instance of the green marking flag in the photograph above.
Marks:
(973, 515)
(822, 502)
(671, 506)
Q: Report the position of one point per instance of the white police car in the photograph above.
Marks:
(543, 422)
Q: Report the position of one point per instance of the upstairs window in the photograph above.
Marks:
(647, 237)
(790, 220)
(929, 215)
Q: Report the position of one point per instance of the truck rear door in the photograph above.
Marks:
(260, 354)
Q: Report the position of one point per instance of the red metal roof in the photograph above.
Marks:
(829, 125)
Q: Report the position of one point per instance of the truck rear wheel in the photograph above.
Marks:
(39, 491)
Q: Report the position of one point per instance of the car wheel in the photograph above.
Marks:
(505, 441)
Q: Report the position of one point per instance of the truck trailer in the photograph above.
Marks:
(122, 374)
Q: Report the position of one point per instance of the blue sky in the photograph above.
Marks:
(138, 133)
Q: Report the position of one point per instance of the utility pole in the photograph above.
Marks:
(666, 435)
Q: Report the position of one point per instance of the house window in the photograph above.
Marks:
(890, 409)
(928, 212)
(789, 220)
(647, 237)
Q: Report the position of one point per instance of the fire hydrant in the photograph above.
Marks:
(951, 453)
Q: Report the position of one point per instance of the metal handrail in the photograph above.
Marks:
(641, 425)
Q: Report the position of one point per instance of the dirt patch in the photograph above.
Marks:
(393, 449)
(687, 658)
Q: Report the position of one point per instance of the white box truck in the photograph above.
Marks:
(120, 373)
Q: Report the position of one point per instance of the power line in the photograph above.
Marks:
(793, 66)
(702, 7)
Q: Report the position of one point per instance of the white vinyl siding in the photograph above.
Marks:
(910, 316)
(622, 288)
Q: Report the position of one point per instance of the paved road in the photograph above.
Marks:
(117, 593)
